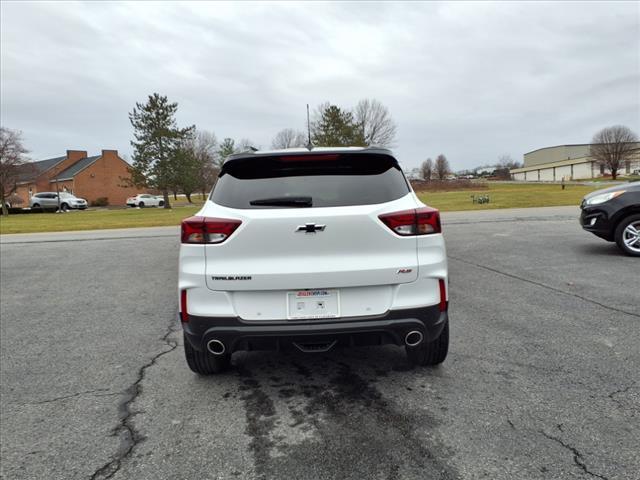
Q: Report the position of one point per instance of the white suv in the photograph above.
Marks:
(311, 249)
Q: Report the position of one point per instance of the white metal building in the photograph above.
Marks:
(569, 162)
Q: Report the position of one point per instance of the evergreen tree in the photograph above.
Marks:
(156, 159)
(227, 147)
(335, 127)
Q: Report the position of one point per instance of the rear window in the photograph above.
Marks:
(328, 180)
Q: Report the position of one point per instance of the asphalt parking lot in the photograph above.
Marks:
(541, 380)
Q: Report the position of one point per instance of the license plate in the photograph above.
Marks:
(313, 304)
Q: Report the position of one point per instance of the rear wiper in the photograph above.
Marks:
(284, 202)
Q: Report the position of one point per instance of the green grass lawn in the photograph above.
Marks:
(502, 196)
(630, 178)
(95, 219)
(508, 195)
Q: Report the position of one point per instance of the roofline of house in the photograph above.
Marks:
(45, 171)
(66, 157)
(83, 168)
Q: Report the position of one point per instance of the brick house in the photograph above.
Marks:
(90, 178)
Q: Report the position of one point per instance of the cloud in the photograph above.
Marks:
(471, 80)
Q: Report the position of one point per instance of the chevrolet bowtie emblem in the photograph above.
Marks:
(310, 228)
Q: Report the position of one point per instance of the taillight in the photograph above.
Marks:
(207, 229)
(444, 304)
(419, 221)
(184, 314)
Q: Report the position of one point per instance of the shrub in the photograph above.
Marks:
(14, 200)
(100, 202)
(16, 210)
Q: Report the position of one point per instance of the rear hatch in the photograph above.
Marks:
(311, 222)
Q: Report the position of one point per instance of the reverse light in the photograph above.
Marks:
(419, 221)
(207, 229)
(603, 197)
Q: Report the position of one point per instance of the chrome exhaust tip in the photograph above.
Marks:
(413, 338)
(216, 347)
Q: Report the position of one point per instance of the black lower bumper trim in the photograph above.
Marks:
(601, 227)
(314, 335)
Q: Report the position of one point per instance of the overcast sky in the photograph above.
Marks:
(470, 80)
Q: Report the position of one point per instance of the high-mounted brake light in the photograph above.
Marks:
(419, 221)
(207, 229)
(309, 158)
(184, 314)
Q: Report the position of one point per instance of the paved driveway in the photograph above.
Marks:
(541, 381)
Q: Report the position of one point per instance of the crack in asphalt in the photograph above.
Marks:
(72, 395)
(578, 458)
(542, 285)
(620, 391)
(130, 436)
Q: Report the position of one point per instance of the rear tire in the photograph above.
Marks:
(430, 353)
(622, 233)
(204, 363)
(141, 204)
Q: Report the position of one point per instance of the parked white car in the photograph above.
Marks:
(310, 250)
(145, 200)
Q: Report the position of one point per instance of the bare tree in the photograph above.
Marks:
(505, 161)
(442, 167)
(12, 157)
(205, 146)
(504, 166)
(289, 138)
(612, 147)
(244, 145)
(427, 169)
(376, 123)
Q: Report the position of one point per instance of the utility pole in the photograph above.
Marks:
(309, 145)
(58, 195)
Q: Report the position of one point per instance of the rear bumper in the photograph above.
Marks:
(389, 328)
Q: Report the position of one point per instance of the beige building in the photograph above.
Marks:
(569, 162)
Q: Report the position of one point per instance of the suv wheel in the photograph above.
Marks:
(204, 363)
(161, 204)
(64, 207)
(430, 353)
(627, 235)
(141, 204)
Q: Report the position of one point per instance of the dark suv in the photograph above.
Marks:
(614, 214)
